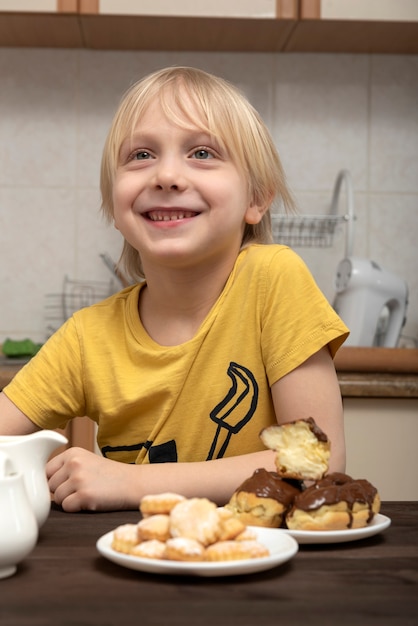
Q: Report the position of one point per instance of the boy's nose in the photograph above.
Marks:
(170, 183)
(169, 176)
(167, 186)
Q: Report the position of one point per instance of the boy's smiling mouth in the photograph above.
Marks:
(169, 215)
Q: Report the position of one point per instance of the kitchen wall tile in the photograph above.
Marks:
(38, 116)
(94, 237)
(394, 124)
(321, 117)
(37, 230)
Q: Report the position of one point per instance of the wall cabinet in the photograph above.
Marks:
(376, 26)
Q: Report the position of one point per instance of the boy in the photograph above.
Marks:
(221, 334)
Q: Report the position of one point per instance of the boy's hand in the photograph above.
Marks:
(81, 480)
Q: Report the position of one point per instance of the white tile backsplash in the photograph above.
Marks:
(394, 125)
(38, 129)
(94, 237)
(326, 112)
(321, 117)
(37, 233)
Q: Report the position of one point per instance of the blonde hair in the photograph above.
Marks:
(221, 110)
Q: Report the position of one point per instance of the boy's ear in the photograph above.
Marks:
(255, 212)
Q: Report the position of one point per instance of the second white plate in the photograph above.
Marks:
(281, 545)
(376, 526)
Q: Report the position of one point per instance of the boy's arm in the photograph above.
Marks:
(12, 420)
(312, 390)
(81, 480)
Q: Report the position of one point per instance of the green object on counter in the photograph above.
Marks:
(20, 347)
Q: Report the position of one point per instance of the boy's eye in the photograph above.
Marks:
(141, 155)
(202, 153)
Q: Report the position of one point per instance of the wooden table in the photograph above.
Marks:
(65, 581)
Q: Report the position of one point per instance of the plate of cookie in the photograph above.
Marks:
(280, 547)
(378, 524)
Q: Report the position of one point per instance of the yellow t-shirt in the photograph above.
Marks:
(204, 399)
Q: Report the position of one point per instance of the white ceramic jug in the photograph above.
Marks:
(18, 525)
(29, 454)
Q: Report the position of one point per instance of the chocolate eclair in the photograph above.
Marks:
(263, 499)
(336, 502)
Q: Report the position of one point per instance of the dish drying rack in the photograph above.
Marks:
(75, 295)
(318, 230)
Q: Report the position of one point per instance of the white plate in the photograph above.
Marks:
(379, 523)
(281, 545)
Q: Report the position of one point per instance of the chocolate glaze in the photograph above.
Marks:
(334, 488)
(266, 484)
(319, 434)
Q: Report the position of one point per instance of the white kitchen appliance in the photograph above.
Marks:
(370, 299)
(372, 302)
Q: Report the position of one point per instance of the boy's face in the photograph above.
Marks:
(178, 198)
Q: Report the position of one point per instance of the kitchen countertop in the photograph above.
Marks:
(377, 385)
(353, 384)
(377, 372)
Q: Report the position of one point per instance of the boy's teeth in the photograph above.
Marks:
(167, 217)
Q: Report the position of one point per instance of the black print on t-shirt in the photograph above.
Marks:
(160, 453)
(235, 410)
(163, 452)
